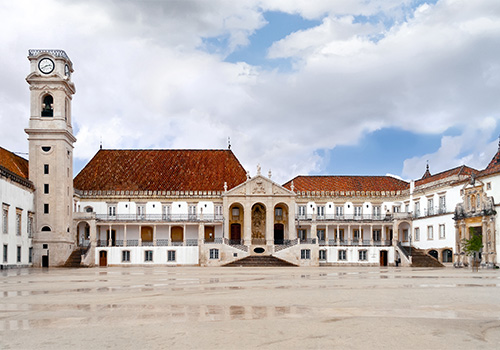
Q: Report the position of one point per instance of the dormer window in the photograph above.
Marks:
(48, 106)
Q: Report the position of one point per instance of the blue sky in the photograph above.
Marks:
(301, 87)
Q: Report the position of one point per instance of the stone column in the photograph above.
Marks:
(170, 234)
(184, 234)
(484, 228)
(201, 234)
(338, 235)
(371, 235)
(109, 236)
(349, 231)
(140, 236)
(395, 234)
(327, 238)
(269, 234)
(154, 235)
(125, 235)
(247, 225)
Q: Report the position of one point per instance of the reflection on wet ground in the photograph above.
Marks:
(64, 300)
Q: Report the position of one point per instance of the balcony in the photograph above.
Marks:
(440, 210)
(161, 217)
(347, 217)
(157, 243)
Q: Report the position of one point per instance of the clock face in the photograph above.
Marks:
(46, 65)
(66, 71)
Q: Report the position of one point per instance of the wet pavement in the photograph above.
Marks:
(247, 308)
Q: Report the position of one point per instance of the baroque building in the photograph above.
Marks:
(201, 207)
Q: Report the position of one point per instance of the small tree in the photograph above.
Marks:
(472, 247)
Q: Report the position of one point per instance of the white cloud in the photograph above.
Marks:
(143, 79)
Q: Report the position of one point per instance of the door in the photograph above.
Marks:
(235, 232)
(103, 258)
(279, 233)
(45, 261)
(209, 234)
(383, 258)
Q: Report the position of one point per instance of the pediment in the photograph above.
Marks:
(259, 186)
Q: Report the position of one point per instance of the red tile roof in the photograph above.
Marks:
(494, 166)
(161, 170)
(14, 163)
(347, 183)
(460, 170)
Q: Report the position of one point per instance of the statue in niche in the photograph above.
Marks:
(258, 222)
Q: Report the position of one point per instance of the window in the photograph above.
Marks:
(46, 188)
(305, 254)
(407, 207)
(356, 234)
(112, 210)
(396, 209)
(417, 209)
(488, 186)
(376, 235)
(18, 253)
(30, 226)
(46, 169)
(167, 212)
(89, 209)
(214, 253)
(362, 255)
(320, 233)
(47, 106)
(442, 204)
(339, 210)
(192, 212)
(235, 212)
(417, 234)
(430, 232)
(357, 210)
(405, 235)
(302, 211)
(5, 219)
(148, 255)
(442, 233)
(302, 234)
(342, 255)
(218, 211)
(46, 148)
(18, 223)
(171, 255)
(46, 229)
(321, 211)
(46, 208)
(430, 206)
(141, 210)
(5, 251)
(125, 255)
(376, 211)
(322, 254)
(30, 255)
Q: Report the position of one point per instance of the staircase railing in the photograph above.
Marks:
(402, 251)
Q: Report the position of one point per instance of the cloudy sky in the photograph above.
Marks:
(299, 86)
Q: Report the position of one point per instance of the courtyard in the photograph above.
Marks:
(247, 308)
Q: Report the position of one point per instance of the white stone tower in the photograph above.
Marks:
(51, 141)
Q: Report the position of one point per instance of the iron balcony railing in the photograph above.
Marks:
(439, 210)
(161, 217)
(136, 243)
(346, 217)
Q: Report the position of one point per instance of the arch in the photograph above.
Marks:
(47, 106)
(258, 223)
(177, 234)
(433, 253)
(146, 234)
(83, 233)
(46, 229)
(404, 231)
(280, 223)
(447, 255)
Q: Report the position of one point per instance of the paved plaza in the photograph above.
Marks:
(248, 308)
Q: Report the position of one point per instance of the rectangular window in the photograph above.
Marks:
(18, 223)
(141, 211)
(376, 211)
(148, 255)
(18, 253)
(302, 234)
(430, 206)
(405, 235)
(30, 226)
(442, 232)
(46, 208)
(430, 232)
(192, 212)
(171, 255)
(302, 211)
(235, 212)
(356, 234)
(488, 186)
(305, 254)
(5, 219)
(321, 211)
(218, 211)
(442, 204)
(167, 212)
(5, 251)
(396, 209)
(112, 210)
(357, 211)
(407, 207)
(125, 255)
(46, 169)
(278, 214)
(322, 254)
(417, 209)
(362, 255)
(46, 188)
(376, 235)
(30, 255)
(320, 233)
(417, 234)
(339, 211)
(342, 255)
(214, 253)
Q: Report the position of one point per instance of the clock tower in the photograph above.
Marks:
(51, 139)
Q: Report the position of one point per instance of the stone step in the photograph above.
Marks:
(75, 259)
(259, 261)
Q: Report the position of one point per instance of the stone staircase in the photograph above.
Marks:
(260, 261)
(421, 259)
(75, 259)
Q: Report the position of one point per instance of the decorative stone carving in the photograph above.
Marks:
(259, 188)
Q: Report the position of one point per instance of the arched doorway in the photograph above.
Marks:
(434, 254)
(447, 255)
(83, 234)
(235, 235)
(177, 234)
(147, 234)
(280, 223)
(236, 219)
(258, 224)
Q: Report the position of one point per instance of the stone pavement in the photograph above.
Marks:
(247, 308)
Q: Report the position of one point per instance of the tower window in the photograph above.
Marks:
(46, 148)
(48, 106)
(45, 208)
(45, 169)
(46, 188)
(46, 229)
